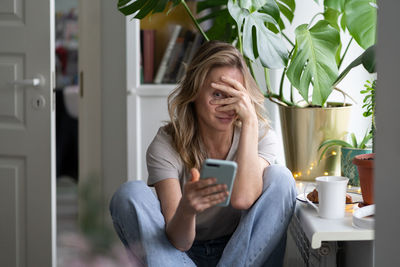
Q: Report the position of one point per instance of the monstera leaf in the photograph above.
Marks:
(141, 8)
(361, 21)
(367, 59)
(313, 61)
(258, 40)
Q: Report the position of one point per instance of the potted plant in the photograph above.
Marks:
(312, 61)
(348, 150)
(366, 162)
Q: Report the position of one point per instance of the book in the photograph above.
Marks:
(148, 55)
(192, 48)
(174, 58)
(167, 54)
(177, 57)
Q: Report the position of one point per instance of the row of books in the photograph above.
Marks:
(179, 52)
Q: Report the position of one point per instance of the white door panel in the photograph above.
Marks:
(27, 175)
(153, 113)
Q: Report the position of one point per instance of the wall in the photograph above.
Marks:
(387, 182)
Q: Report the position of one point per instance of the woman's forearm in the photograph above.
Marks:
(248, 183)
(181, 229)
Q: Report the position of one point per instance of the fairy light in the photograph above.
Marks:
(326, 173)
(295, 175)
(299, 174)
(334, 153)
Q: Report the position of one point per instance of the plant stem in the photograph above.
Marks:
(273, 96)
(194, 20)
(267, 80)
(239, 39)
(250, 66)
(345, 52)
(312, 19)
(287, 39)
(291, 93)
(281, 83)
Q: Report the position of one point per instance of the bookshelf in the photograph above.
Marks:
(146, 102)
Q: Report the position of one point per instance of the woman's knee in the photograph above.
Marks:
(281, 179)
(126, 195)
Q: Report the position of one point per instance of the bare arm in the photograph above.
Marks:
(248, 184)
(180, 210)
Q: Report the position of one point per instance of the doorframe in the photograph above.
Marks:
(102, 102)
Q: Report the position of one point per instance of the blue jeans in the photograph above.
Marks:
(259, 239)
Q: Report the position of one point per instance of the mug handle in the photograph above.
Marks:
(306, 198)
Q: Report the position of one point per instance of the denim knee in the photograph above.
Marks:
(127, 194)
(281, 179)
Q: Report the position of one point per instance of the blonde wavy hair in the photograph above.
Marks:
(183, 127)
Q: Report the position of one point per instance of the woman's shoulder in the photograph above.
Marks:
(162, 143)
(162, 139)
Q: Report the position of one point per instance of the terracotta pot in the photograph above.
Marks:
(347, 167)
(365, 166)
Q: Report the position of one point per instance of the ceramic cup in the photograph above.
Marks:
(331, 196)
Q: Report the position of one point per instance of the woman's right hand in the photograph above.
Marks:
(201, 194)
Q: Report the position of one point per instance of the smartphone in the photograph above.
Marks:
(224, 171)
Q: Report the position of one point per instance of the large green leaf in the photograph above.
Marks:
(141, 8)
(361, 21)
(223, 27)
(286, 8)
(314, 61)
(367, 59)
(335, 4)
(206, 4)
(270, 46)
(332, 16)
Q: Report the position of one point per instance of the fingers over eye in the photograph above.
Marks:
(224, 101)
(228, 90)
(236, 84)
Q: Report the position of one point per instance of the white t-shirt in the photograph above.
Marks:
(163, 162)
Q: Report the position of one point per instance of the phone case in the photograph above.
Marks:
(224, 171)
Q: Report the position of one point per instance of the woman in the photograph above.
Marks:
(216, 112)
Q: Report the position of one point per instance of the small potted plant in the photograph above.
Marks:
(365, 163)
(348, 150)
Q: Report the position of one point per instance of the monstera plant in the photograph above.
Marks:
(311, 62)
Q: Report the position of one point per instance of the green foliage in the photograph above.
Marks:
(313, 61)
(255, 18)
(93, 226)
(369, 107)
(337, 142)
(369, 103)
(257, 27)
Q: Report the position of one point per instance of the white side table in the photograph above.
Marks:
(318, 240)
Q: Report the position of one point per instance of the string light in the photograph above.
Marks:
(326, 173)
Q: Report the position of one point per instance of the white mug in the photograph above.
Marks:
(331, 196)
